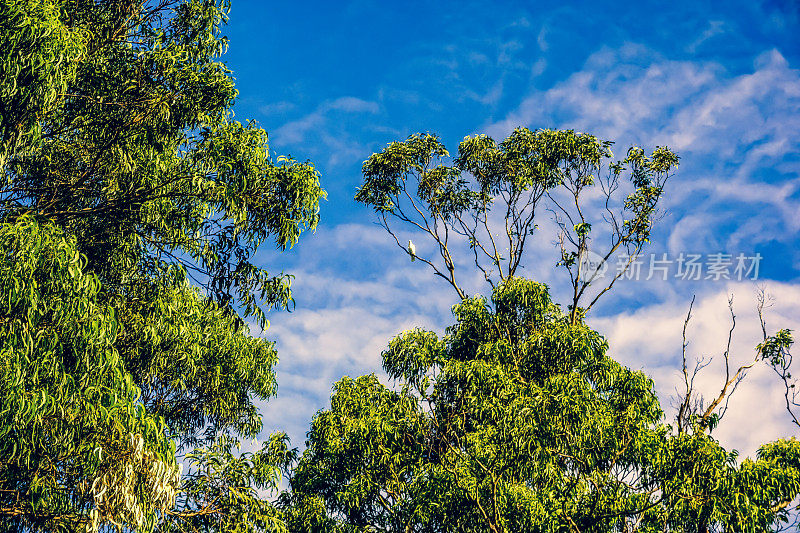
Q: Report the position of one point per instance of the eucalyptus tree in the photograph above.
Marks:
(491, 198)
(518, 421)
(116, 128)
(77, 448)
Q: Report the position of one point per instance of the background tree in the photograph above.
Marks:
(491, 194)
(116, 128)
(515, 421)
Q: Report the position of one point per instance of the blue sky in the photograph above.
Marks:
(717, 82)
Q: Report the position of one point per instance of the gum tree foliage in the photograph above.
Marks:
(117, 126)
(492, 196)
(116, 132)
(518, 421)
(77, 448)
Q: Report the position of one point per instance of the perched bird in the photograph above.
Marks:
(412, 250)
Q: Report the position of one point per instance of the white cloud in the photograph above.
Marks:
(737, 186)
(277, 108)
(715, 27)
(633, 95)
(613, 96)
(491, 97)
(538, 67)
(541, 39)
(351, 105)
(733, 114)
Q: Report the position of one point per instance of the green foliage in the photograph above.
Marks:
(527, 159)
(221, 490)
(362, 460)
(128, 144)
(40, 56)
(197, 365)
(775, 348)
(489, 195)
(117, 137)
(517, 421)
(76, 446)
(118, 128)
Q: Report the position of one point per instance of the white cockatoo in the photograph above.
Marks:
(412, 250)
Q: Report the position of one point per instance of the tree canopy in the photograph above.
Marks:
(518, 421)
(122, 159)
(492, 194)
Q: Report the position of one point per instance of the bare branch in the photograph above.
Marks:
(687, 396)
(729, 379)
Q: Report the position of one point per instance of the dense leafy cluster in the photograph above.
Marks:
(117, 127)
(131, 205)
(518, 421)
(77, 446)
(196, 364)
